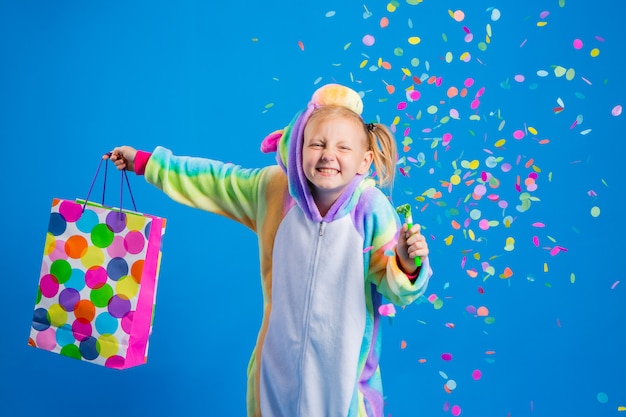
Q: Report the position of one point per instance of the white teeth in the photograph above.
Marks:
(327, 170)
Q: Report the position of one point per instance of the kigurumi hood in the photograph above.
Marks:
(288, 142)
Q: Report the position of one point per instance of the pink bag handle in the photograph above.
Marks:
(104, 186)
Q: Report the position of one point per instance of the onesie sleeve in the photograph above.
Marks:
(384, 271)
(214, 186)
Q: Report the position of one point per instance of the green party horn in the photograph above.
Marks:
(405, 210)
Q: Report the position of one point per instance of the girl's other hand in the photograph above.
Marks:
(411, 244)
(123, 157)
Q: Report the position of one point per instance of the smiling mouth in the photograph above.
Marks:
(329, 171)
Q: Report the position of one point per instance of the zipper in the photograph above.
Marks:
(309, 296)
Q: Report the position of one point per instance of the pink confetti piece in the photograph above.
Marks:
(519, 134)
(578, 44)
(455, 410)
(536, 241)
(617, 110)
(414, 95)
(477, 374)
(368, 40)
(387, 310)
(539, 224)
(369, 248)
(446, 356)
(556, 250)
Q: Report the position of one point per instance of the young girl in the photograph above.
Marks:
(331, 247)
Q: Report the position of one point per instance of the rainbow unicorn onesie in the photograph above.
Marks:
(323, 277)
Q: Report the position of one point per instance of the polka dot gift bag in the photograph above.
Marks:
(97, 287)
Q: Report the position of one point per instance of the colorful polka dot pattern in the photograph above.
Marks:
(90, 289)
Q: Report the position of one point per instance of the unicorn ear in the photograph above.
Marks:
(338, 95)
(270, 143)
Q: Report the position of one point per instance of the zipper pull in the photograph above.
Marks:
(322, 225)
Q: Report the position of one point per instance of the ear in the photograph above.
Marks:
(366, 163)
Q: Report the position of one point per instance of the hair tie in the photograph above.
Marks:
(370, 127)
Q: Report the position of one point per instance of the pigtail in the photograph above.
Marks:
(383, 144)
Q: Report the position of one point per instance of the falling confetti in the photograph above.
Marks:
(476, 168)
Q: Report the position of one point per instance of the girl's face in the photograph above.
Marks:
(334, 151)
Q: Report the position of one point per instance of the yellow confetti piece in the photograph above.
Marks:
(594, 52)
(509, 244)
(532, 130)
(414, 40)
(432, 109)
(621, 408)
(363, 63)
(545, 267)
(541, 24)
(500, 143)
(595, 211)
(448, 240)
(406, 72)
(559, 71)
(570, 74)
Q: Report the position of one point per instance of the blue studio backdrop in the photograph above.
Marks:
(508, 117)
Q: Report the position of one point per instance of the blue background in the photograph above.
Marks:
(213, 78)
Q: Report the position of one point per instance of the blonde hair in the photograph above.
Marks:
(379, 138)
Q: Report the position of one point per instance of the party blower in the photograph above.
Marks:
(405, 210)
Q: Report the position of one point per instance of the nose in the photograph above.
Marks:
(327, 156)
